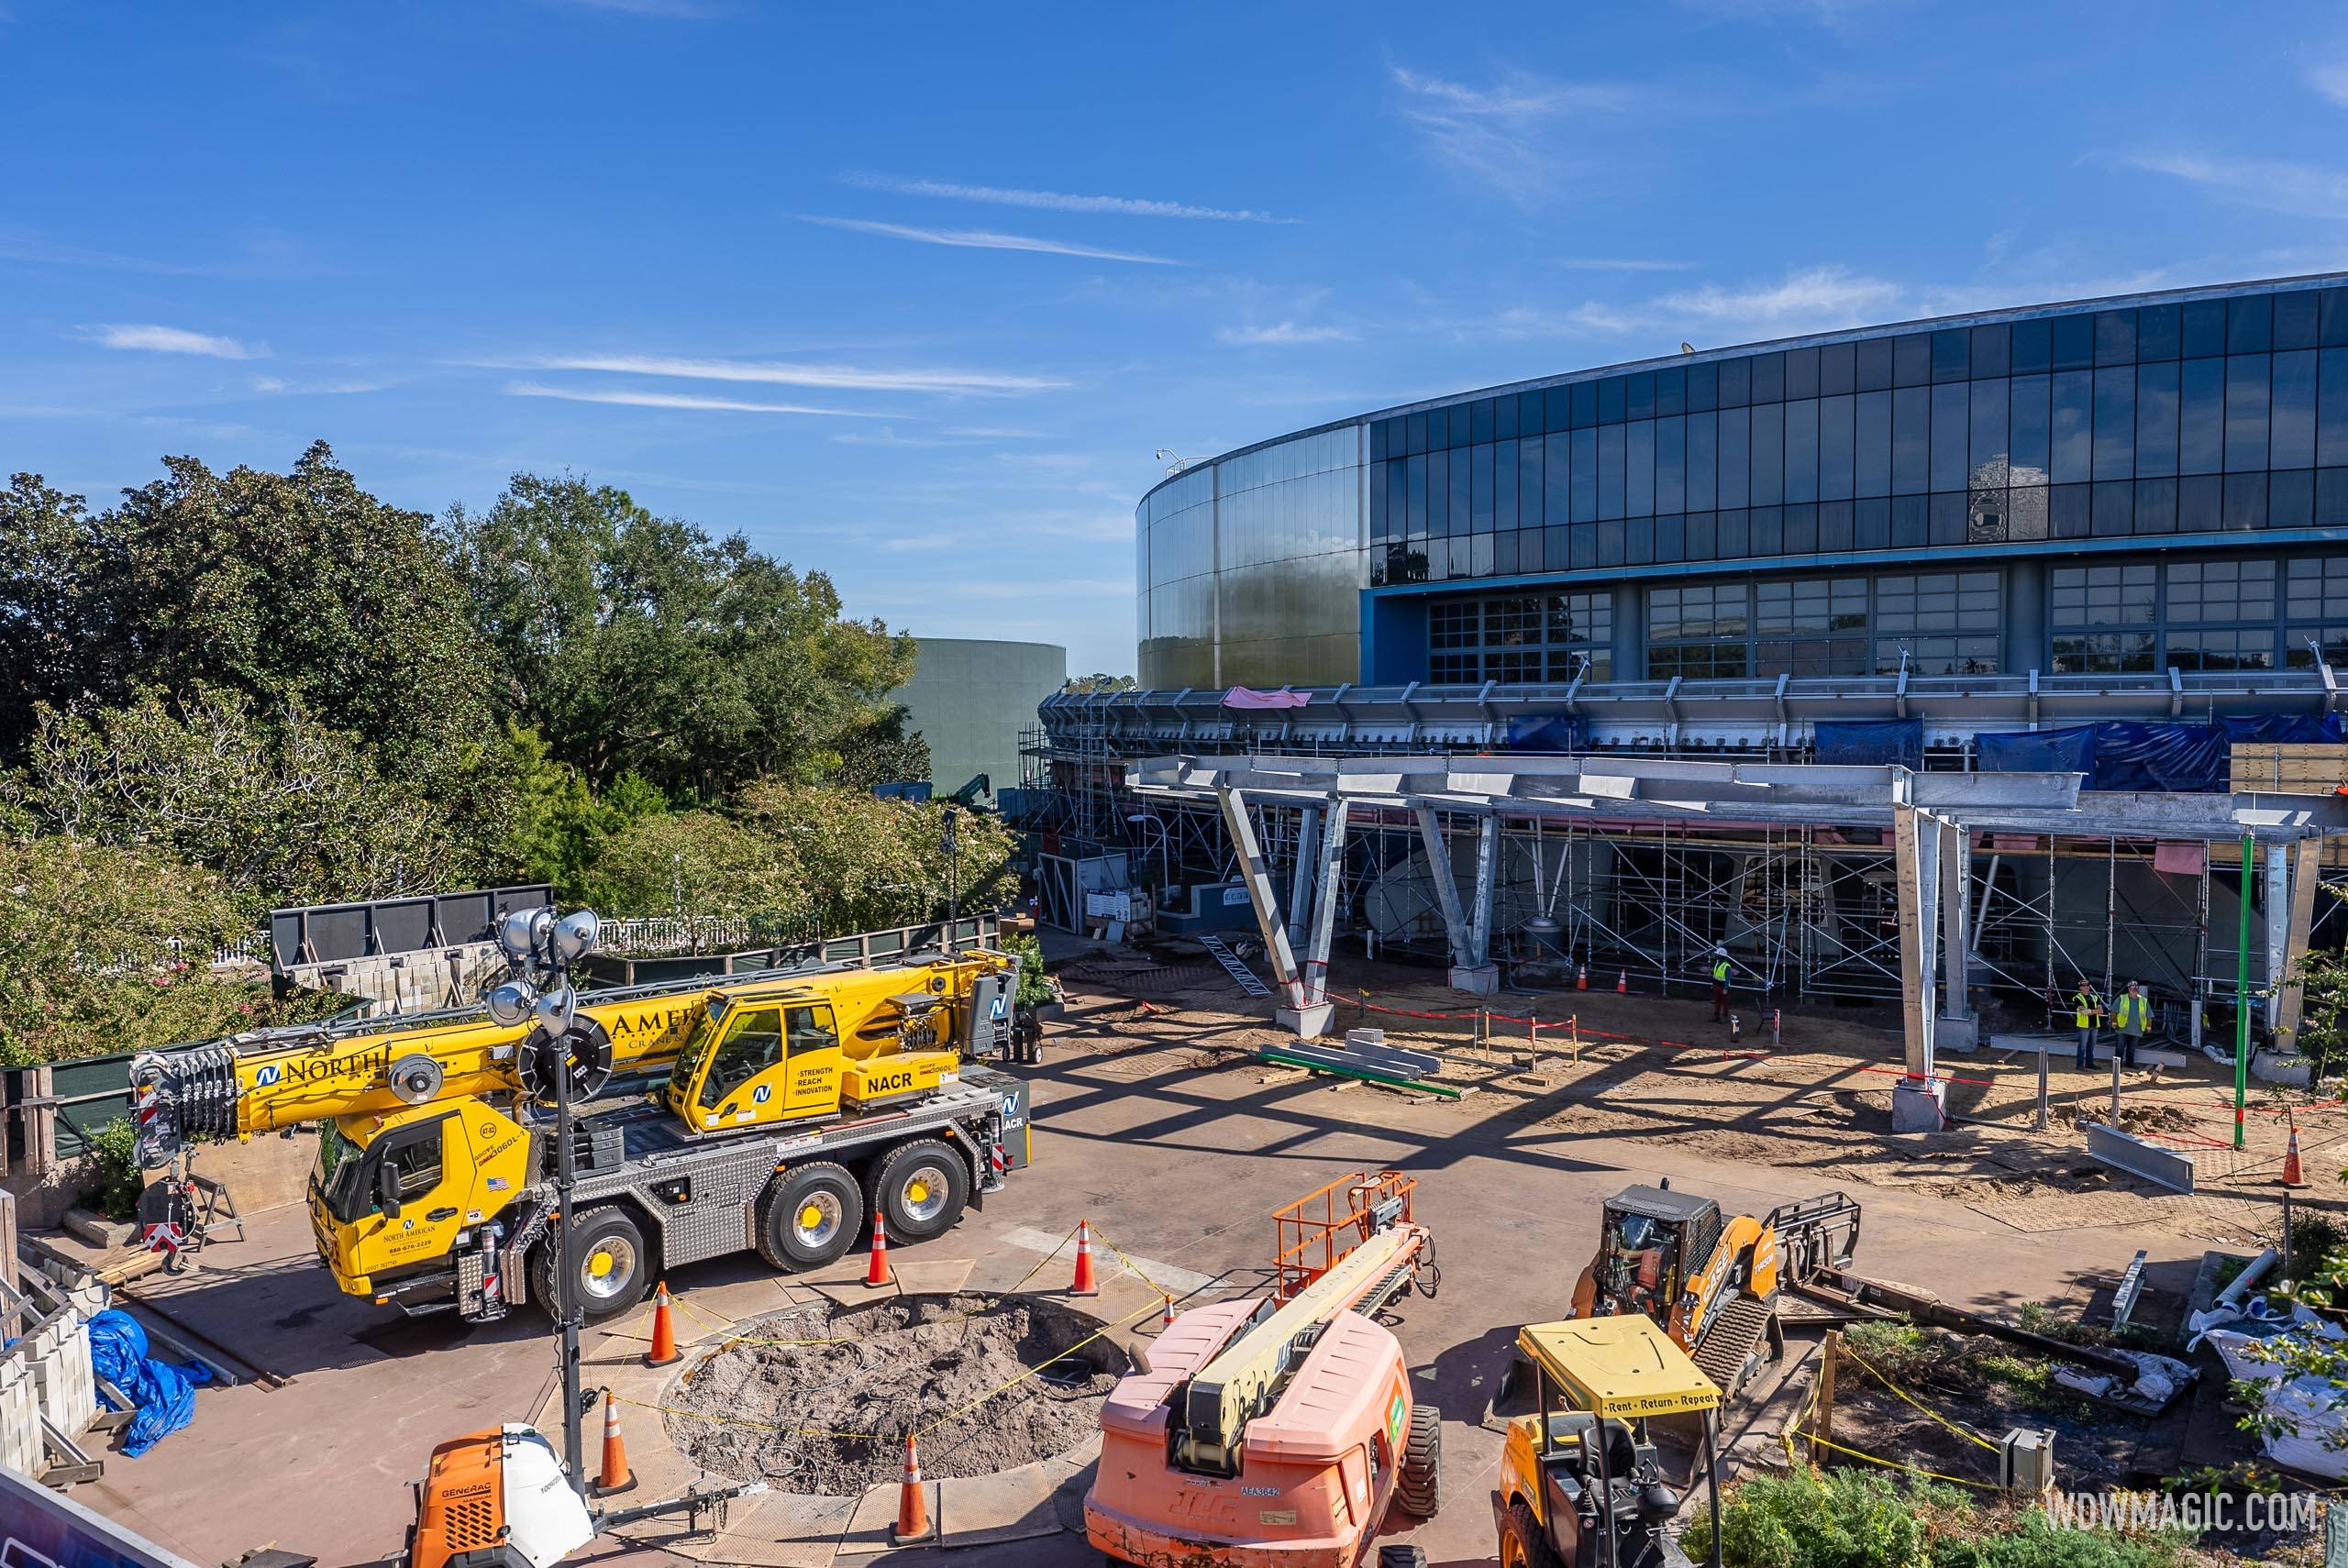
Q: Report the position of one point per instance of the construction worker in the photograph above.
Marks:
(2087, 1011)
(2130, 1015)
(1719, 985)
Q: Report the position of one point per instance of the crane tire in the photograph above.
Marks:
(611, 1235)
(810, 1216)
(920, 1188)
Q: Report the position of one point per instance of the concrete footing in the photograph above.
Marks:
(1482, 981)
(1956, 1034)
(1310, 1022)
(1918, 1105)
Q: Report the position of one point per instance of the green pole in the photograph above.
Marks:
(2242, 997)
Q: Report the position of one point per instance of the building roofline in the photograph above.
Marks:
(1776, 345)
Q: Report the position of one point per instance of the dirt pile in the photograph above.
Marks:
(827, 1416)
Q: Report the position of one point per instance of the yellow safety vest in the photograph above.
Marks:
(2130, 1013)
(2088, 1004)
(1720, 971)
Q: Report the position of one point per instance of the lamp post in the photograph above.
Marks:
(543, 950)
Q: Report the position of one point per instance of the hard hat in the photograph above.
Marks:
(1720, 952)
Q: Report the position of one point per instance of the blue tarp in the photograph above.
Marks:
(1549, 731)
(1869, 741)
(162, 1392)
(2036, 751)
(2167, 757)
(2284, 729)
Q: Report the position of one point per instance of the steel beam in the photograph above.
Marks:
(1257, 877)
(1299, 894)
(2307, 871)
(1916, 851)
(1447, 888)
(1480, 919)
(1325, 897)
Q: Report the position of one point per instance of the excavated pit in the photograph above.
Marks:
(828, 1417)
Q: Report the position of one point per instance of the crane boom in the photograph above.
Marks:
(1246, 1376)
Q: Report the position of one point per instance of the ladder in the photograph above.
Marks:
(1222, 954)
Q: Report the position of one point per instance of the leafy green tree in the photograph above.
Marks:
(108, 948)
(1097, 681)
(700, 863)
(53, 626)
(297, 588)
(284, 808)
(637, 643)
(874, 862)
(561, 825)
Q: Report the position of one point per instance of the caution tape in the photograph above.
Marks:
(1888, 1464)
(1968, 1435)
(1131, 1267)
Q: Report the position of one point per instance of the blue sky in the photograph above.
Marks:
(910, 295)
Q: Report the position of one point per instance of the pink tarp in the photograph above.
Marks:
(2180, 859)
(1240, 697)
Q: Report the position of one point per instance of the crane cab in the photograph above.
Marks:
(393, 1192)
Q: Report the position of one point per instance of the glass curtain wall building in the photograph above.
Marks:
(2124, 485)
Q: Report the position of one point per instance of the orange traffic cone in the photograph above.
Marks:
(2292, 1174)
(1168, 1321)
(1084, 1284)
(664, 1333)
(876, 1268)
(1581, 977)
(615, 1475)
(912, 1500)
(1622, 982)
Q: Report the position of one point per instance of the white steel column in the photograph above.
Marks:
(1252, 871)
(1480, 919)
(1956, 1028)
(1467, 973)
(1916, 1103)
(2307, 871)
(2278, 929)
(1325, 911)
(1300, 892)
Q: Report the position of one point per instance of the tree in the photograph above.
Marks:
(296, 589)
(561, 825)
(108, 949)
(282, 808)
(872, 863)
(53, 626)
(1083, 685)
(636, 643)
(700, 863)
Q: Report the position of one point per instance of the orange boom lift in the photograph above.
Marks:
(1275, 1432)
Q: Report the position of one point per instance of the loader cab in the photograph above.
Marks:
(1654, 1243)
(758, 1059)
(1580, 1481)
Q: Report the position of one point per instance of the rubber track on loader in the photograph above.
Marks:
(1732, 1338)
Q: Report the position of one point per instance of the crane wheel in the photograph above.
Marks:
(1521, 1543)
(615, 1264)
(920, 1188)
(1402, 1556)
(810, 1216)
(1418, 1490)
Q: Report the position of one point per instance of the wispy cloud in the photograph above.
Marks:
(1622, 264)
(1501, 134)
(987, 239)
(1815, 299)
(786, 374)
(1059, 201)
(2331, 81)
(1286, 332)
(274, 385)
(23, 246)
(630, 398)
(2301, 190)
(1834, 14)
(174, 340)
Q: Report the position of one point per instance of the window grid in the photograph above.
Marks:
(1520, 637)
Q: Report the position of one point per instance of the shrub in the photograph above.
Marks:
(1837, 1518)
(115, 1162)
(1034, 989)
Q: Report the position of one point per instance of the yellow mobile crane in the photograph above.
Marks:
(795, 1102)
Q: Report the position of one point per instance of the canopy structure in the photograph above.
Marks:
(1622, 1367)
(1931, 819)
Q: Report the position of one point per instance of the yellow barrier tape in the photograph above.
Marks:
(752, 1426)
(1131, 1267)
(1030, 1371)
(1889, 1463)
(1968, 1435)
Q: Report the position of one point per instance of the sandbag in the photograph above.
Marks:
(162, 1393)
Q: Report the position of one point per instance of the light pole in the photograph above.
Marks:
(543, 949)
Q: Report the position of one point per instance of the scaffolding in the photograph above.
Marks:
(1807, 911)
